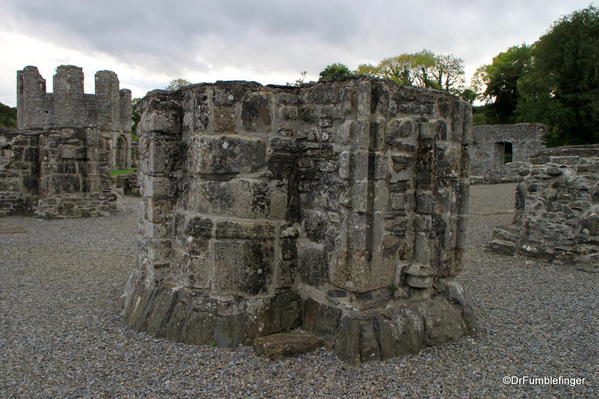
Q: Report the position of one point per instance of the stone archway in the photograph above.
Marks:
(121, 153)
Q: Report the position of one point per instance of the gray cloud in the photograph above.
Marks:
(275, 36)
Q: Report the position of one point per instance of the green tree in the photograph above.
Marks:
(335, 71)
(423, 69)
(562, 89)
(368, 70)
(8, 116)
(447, 73)
(176, 84)
(497, 83)
(402, 69)
(468, 95)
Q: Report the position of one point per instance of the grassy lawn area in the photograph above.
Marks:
(123, 172)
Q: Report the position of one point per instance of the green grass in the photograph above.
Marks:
(123, 172)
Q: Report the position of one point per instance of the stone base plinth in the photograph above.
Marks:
(400, 327)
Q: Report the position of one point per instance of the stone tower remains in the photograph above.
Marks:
(57, 162)
(339, 207)
(108, 110)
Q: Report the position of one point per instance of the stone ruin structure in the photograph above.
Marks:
(56, 164)
(557, 209)
(338, 207)
(54, 173)
(502, 153)
(108, 110)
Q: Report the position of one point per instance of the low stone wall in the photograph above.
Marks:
(54, 173)
(337, 207)
(512, 172)
(19, 171)
(76, 205)
(128, 184)
(566, 155)
(557, 212)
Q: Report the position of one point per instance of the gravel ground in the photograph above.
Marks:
(61, 335)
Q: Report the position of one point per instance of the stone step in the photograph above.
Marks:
(282, 345)
(503, 247)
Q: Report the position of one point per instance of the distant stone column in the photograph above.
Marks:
(69, 106)
(108, 100)
(31, 99)
(125, 110)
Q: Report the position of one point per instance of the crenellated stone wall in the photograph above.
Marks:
(108, 110)
(338, 207)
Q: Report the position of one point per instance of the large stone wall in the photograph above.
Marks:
(490, 151)
(108, 110)
(19, 171)
(54, 173)
(339, 207)
(557, 209)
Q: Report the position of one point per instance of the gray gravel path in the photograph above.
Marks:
(61, 336)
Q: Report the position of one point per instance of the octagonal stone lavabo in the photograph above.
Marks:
(338, 207)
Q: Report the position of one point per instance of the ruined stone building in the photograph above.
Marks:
(557, 208)
(57, 162)
(498, 153)
(108, 110)
(339, 207)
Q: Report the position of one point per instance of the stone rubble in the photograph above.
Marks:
(557, 209)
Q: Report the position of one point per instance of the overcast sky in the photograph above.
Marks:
(150, 42)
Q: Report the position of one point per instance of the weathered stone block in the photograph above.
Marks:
(226, 154)
(243, 267)
(162, 157)
(56, 184)
(279, 346)
(321, 319)
(247, 230)
(156, 187)
(164, 117)
(443, 322)
(229, 330)
(224, 119)
(256, 112)
(313, 264)
(248, 198)
(73, 152)
(353, 271)
(286, 273)
(158, 211)
(589, 220)
(200, 328)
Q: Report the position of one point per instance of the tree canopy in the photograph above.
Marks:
(555, 81)
(497, 83)
(176, 84)
(8, 116)
(335, 71)
(562, 90)
(423, 69)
